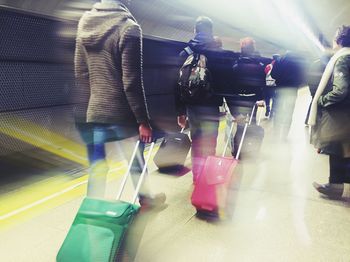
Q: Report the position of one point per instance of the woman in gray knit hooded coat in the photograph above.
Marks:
(108, 67)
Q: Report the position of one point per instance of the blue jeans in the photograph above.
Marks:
(204, 125)
(270, 94)
(96, 136)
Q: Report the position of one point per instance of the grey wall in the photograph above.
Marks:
(37, 78)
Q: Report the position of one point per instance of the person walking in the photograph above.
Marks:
(289, 73)
(108, 66)
(202, 112)
(249, 83)
(270, 89)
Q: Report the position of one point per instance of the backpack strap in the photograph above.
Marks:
(188, 50)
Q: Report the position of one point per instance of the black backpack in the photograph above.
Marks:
(195, 80)
(248, 75)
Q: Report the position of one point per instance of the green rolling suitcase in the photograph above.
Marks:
(99, 228)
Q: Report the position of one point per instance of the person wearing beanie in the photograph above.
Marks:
(203, 114)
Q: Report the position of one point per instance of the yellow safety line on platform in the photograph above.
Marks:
(63, 193)
(48, 140)
(34, 193)
(27, 202)
(44, 139)
(45, 199)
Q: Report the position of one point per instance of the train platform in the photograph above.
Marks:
(277, 214)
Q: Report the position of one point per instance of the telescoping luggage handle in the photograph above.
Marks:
(252, 114)
(183, 129)
(142, 176)
(243, 135)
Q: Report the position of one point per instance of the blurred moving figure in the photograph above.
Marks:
(330, 116)
(249, 78)
(289, 73)
(270, 88)
(202, 110)
(108, 65)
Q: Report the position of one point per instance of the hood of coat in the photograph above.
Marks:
(96, 25)
(203, 41)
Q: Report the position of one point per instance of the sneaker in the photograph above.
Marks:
(152, 201)
(330, 190)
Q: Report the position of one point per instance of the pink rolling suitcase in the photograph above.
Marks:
(210, 194)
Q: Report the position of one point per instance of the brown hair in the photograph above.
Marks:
(342, 36)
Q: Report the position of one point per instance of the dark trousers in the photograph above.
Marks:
(241, 109)
(339, 169)
(204, 126)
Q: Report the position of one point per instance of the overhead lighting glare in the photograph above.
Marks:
(287, 11)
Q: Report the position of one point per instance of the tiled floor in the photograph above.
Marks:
(277, 215)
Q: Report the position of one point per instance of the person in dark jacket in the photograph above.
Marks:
(289, 72)
(330, 117)
(203, 115)
(108, 67)
(248, 77)
(270, 88)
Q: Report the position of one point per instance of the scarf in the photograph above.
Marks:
(324, 81)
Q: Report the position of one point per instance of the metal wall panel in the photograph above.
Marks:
(27, 38)
(11, 89)
(28, 85)
(47, 85)
(36, 82)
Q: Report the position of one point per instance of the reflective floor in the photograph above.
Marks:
(277, 215)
